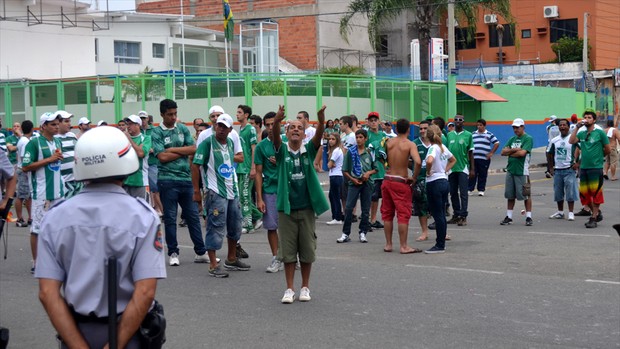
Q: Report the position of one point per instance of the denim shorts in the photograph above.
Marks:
(224, 218)
(23, 185)
(270, 217)
(565, 185)
(153, 171)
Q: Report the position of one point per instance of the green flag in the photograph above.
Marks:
(229, 23)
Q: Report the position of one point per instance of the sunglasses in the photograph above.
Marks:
(459, 119)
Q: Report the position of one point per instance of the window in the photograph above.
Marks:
(159, 51)
(526, 33)
(96, 50)
(382, 46)
(462, 41)
(507, 39)
(126, 52)
(563, 27)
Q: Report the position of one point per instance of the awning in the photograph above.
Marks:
(480, 93)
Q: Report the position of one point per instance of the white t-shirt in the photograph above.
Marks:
(440, 161)
(348, 140)
(21, 147)
(338, 158)
(310, 132)
(232, 135)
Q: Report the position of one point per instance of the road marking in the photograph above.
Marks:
(604, 282)
(566, 234)
(456, 269)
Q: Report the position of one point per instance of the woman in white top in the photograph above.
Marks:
(336, 180)
(439, 161)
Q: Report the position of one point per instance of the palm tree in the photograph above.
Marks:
(380, 12)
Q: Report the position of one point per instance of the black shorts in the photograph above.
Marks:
(376, 192)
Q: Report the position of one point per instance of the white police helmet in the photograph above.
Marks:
(104, 152)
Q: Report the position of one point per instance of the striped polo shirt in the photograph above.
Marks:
(483, 143)
(67, 146)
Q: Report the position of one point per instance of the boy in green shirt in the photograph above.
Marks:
(358, 167)
(246, 171)
(135, 184)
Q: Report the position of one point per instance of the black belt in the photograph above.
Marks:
(560, 169)
(91, 318)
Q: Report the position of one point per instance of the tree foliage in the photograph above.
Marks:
(381, 12)
(568, 49)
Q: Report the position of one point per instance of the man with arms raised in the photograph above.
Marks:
(396, 187)
(300, 198)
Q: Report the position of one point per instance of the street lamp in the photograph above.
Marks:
(500, 39)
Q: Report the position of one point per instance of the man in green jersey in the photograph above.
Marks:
(173, 144)
(461, 145)
(300, 198)
(136, 183)
(594, 146)
(67, 142)
(213, 161)
(246, 171)
(11, 142)
(43, 157)
(375, 136)
(147, 130)
(518, 149)
(267, 189)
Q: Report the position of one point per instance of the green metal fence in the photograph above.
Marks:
(111, 98)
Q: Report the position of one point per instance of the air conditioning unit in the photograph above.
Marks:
(523, 62)
(551, 12)
(490, 19)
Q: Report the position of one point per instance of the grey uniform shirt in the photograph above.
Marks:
(7, 170)
(78, 235)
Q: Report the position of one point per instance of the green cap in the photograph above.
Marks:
(430, 117)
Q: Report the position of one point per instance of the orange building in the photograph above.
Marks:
(538, 24)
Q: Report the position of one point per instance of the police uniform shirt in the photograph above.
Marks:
(105, 221)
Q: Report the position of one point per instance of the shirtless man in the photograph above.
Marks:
(611, 160)
(396, 188)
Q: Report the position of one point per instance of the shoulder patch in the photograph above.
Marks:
(158, 243)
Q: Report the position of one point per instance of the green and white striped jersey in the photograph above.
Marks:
(140, 178)
(218, 174)
(47, 183)
(67, 144)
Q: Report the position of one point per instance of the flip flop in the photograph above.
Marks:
(448, 237)
(415, 250)
(422, 238)
(387, 250)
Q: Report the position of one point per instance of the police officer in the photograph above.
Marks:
(105, 221)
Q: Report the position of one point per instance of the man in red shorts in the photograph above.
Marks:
(396, 188)
(594, 146)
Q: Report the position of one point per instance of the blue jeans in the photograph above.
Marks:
(364, 193)
(224, 218)
(174, 194)
(458, 193)
(335, 191)
(436, 191)
(482, 172)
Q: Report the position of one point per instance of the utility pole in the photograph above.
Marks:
(451, 97)
(500, 39)
(585, 43)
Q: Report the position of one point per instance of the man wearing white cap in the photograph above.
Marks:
(552, 129)
(43, 157)
(83, 126)
(518, 149)
(67, 142)
(213, 161)
(135, 184)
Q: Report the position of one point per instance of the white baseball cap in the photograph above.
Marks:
(46, 117)
(143, 114)
(552, 118)
(225, 119)
(518, 122)
(102, 123)
(83, 121)
(216, 109)
(134, 118)
(63, 114)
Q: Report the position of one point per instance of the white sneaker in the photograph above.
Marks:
(275, 266)
(557, 215)
(571, 216)
(334, 222)
(343, 238)
(470, 193)
(174, 260)
(258, 224)
(480, 193)
(363, 239)
(289, 296)
(204, 259)
(304, 295)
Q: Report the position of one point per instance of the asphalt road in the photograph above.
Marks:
(552, 285)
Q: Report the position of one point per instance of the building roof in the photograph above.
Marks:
(480, 93)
